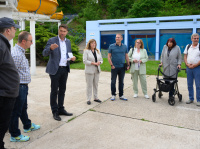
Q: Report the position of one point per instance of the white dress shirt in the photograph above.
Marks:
(63, 52)
(193, 54)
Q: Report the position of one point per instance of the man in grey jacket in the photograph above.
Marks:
(9, 80)
(59, 51)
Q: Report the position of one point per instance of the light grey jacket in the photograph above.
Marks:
(171, 62)
(88, 58)
(143, 58)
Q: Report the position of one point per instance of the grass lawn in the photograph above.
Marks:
(152, 67)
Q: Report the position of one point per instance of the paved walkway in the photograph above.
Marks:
(137, 123)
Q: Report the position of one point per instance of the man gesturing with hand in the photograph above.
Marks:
(59, 51)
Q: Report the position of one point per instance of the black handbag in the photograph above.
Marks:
(125, 66)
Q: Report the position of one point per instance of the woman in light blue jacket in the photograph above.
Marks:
(92, 59)
(138, 58)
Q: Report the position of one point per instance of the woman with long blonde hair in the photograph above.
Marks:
(92, 59)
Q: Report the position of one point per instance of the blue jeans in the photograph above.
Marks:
(58, 87)
(20, 111)
(193, 75)
(6, 107)
(120, 72)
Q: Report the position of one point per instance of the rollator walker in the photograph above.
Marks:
(165, 84)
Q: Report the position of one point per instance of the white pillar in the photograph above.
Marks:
(194, 30)
(126, 38)
(22, 24)
(32, 48)
(59, 23)
(157, 44)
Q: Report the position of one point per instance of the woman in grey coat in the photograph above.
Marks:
(171, 60)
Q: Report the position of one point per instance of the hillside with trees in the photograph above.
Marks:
(107, 9)
(117, 9)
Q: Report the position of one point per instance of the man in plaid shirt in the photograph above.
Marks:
(20, 107)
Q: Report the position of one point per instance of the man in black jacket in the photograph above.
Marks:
(9, 78)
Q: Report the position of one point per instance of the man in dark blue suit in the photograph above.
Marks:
(59, 51)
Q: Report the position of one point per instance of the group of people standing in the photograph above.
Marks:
(15, 73)
(136, 59)
(117, 55)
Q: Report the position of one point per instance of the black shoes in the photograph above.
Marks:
(56, 116)
(97, 100)
(89, 102)
(64, 112)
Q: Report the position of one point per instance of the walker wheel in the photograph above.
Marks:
(154, 97)
(171, 101)
(180, 97)
(160, 94)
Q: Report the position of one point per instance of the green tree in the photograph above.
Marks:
(119, 8)
(145, 8)
(179, 7)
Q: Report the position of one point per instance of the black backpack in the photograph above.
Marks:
(190, 45)
(188, 49)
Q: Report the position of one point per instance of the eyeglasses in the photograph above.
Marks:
(138, 42)
(195, 38)
(30, 41)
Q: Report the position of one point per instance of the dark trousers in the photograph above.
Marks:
(6, 107)
(171, 92)
(20, 111)
(120, 72)
(58, 87)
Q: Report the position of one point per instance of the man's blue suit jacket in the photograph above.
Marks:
(55, 55)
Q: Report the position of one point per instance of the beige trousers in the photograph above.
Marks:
(92, 83)
(142, 82)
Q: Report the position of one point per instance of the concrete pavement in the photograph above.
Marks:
(136, 123)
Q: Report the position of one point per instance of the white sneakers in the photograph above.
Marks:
(145, 96)
(135, 95)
